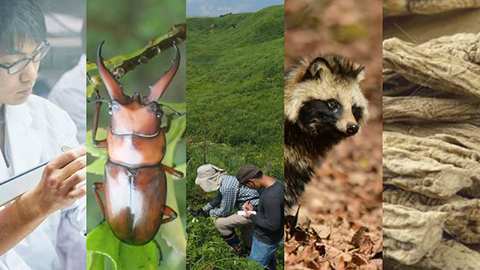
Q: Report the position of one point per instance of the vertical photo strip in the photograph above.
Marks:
(42, 129)
(333, 134)
(235, 135)
(136, 140)
(239, 135)
(431, 135)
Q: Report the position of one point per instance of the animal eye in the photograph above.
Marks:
(159, 112)
(112, 107)
(357, 112)
(333, 104)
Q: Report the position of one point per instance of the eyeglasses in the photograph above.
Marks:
(23, 63)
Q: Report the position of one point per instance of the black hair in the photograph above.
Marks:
(258, 175)
(20, 22)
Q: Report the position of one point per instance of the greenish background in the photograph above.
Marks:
(127, 26)
(235, 114)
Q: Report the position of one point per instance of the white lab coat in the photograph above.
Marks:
(69, 94)
(35, 132)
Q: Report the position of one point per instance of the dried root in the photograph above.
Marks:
(431, 149)
(404, 7)
(431, 68)
(463, 219)
(409, 234)
(428, 110)
(451, 255)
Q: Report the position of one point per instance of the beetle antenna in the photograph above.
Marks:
(177, 113)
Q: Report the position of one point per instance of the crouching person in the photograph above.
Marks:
(268, 219)
(230, 196)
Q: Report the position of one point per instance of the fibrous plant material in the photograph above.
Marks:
(409, 234)
(404, 7)
(463, 219)
(451, 255)
(431, 68)
(463, 46)
(431, 165)
(428, 109)
(460, 134)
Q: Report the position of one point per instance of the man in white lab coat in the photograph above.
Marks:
(32, 131)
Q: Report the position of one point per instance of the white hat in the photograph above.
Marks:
(209, 177)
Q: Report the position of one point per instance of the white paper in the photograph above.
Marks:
(243, 213)
(20, 183)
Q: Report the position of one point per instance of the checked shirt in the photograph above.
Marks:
(228, 199)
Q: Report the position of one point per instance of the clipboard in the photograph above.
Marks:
(13, 187)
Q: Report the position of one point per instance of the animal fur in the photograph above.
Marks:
(323, 105)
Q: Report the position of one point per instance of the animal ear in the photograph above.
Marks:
(113, 87)
(156, 91)
(316, 68)
(360, 73)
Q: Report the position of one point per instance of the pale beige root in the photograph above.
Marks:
(463, 219)
(451, 255)
(432, 69)
(417, 173)
(441, 151)
(405, 7)
(409, 234)
(463, 135)
(428, 110)
(464, 46)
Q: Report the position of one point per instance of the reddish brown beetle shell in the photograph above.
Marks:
(135, 201)
(133, 150)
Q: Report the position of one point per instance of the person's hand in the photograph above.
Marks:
(198, 212)
(194, 212)
(247, 207)
(247, 214)
(58, 187)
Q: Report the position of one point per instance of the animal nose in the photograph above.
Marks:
(352, 129)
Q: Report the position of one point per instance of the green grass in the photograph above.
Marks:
(235, 112)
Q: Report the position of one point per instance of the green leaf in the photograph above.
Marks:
(94, 151)
(97, 166)
(104, 248)
(175, 228)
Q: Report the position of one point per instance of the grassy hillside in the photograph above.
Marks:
(235, 106)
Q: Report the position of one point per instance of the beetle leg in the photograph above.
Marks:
(172, 171)
(101, 143)
(166, 128)
(160, 255)
(98, 187)
(170, 213)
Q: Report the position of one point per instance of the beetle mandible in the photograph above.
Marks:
(134, 186)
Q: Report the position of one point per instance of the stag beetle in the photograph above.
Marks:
(135, 185)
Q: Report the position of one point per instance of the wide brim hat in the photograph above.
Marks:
(209, 177)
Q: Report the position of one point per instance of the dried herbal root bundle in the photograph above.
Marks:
(431, 68)
(431, 149)
(409, 234)
(463, 215)
(404, 7)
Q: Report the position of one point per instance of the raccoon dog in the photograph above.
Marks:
(323, 105)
